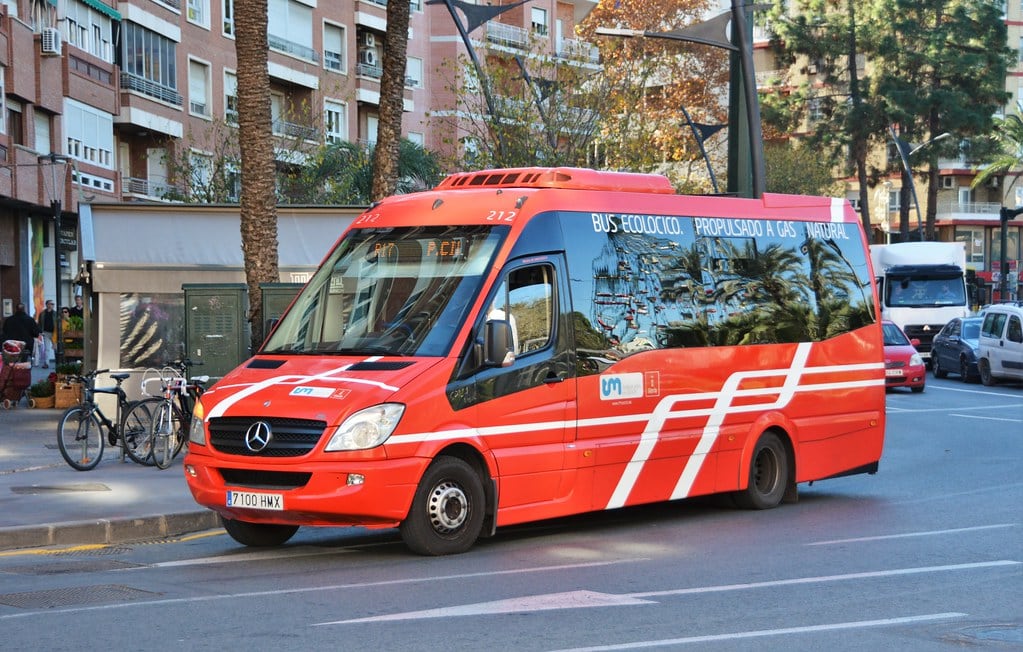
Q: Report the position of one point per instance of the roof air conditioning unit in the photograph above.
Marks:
(368, 57)
(50, 41)
(369, 40)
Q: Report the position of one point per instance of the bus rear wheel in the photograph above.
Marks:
(258, 535)
(446, 516)
(768, 474)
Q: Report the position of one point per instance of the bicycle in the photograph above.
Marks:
(171, 418)
(80, 433)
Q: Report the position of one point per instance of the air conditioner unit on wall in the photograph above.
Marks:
(369, 40)
(993, 182)
(948, 182)
(50, 41)
(368, 57)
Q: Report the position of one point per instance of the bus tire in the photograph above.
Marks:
(768, 474)
(258, 535)
(447, 511)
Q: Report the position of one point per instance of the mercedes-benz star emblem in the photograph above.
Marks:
(258, 436)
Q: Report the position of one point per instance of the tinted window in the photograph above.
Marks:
(993, 323)
(1015, 331)
(642, 282)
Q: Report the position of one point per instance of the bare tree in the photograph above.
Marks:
(258, 208)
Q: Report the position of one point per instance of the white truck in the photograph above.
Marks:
(921, 285)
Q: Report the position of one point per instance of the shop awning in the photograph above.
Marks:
(103, 9)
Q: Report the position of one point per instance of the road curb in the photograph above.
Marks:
(107, 531)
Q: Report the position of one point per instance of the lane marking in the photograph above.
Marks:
(320, 589)
(971, 391)
(808, 629)
(577, 599)
(974, 416)
(528, 603)
(913, 534)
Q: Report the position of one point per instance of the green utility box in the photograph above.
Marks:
(216, 329)
(276, 299)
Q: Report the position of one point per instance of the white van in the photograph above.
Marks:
(1000, 355)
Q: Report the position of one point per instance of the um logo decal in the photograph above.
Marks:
(619, 386)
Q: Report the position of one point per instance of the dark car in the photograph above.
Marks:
(954, 349)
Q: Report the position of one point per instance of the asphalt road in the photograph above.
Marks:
(925, 555)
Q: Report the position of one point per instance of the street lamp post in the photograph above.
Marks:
(904, 154)
(55, 204)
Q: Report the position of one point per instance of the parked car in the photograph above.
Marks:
(954, 349)
(1000, 354)
(903, 365)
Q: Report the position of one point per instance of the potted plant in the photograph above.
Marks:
(66, 371)
(42, 394)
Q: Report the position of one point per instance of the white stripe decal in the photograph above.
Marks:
(837, 209)
(713, 427)
(655, 421)
(220, 408)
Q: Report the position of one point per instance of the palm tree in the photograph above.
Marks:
(258, 208)
(392, 96)
(1008, 136)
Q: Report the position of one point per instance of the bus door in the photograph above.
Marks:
(527, 410)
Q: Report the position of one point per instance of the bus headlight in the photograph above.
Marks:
(196, 430)
(366, 428)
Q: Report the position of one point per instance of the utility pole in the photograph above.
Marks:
(1004, 215)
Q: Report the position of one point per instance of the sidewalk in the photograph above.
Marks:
(43, 501)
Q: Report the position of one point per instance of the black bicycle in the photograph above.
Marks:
(84, 430)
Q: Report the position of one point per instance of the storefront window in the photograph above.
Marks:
(1013, 245)
(973, 239)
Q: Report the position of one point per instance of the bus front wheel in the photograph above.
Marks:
(258, 535)
(768, 474)
(446, 516)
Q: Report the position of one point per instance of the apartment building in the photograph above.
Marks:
(962, 213)
(102, 100)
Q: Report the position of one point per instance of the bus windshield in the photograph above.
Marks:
(390, 291)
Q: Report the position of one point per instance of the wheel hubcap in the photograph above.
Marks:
(765, 473)
(448, 508)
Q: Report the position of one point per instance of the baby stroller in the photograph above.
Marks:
(15, 373)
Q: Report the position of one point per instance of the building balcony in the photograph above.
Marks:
(132, 82)
(134, 187)
(507, 35)
(968, 211)
(292, 48)
(295, 130)
(585, 51)
(368, 70)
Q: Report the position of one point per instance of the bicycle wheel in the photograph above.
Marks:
(80, 438)
(168, 431)
(137, 431)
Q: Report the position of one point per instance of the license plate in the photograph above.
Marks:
(894, 372)
(254, 500)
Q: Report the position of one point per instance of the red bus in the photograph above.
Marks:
(525, 344)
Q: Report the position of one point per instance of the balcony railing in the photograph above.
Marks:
(575, 49)
(983, 210)
(147, 188)
(509, 35)
(367, 70)
(297, 49)
(142, 85)
(295, 130)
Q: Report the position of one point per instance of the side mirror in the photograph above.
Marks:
(498, 350)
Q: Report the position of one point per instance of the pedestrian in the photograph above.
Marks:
(76, 309)
(23, 328)
(48, 334)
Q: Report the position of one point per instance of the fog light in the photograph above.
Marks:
(355, 478)
(190, 470)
